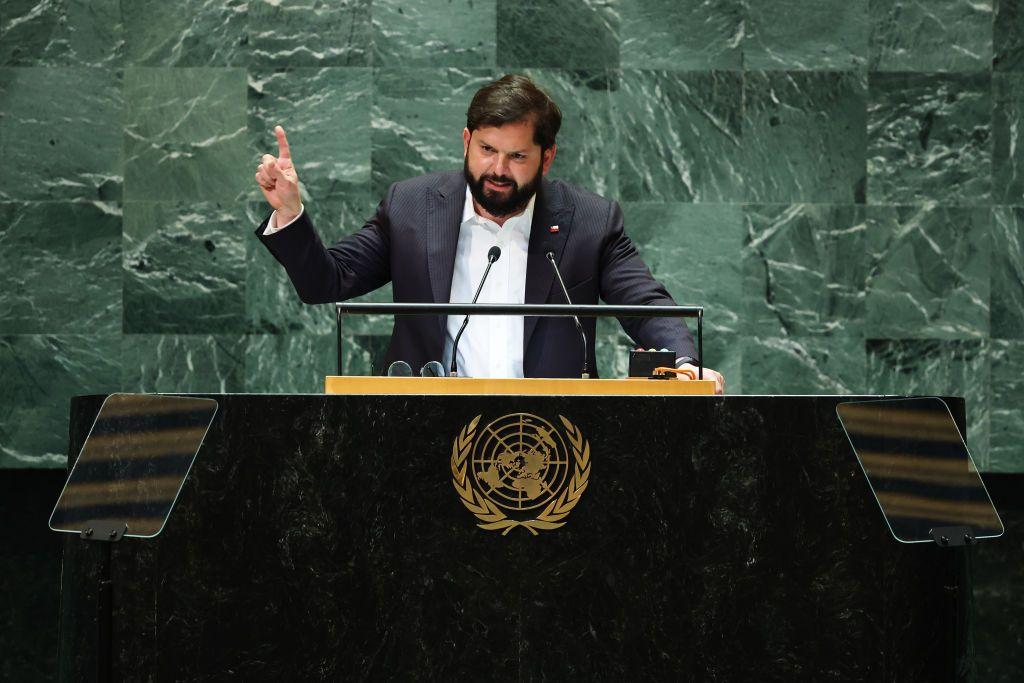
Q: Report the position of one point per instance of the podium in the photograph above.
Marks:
(707, 538)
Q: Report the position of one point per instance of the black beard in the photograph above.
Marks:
(497, 205)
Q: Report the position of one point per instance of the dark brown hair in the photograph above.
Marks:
(512, 99)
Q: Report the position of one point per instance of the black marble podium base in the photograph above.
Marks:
(718, 539)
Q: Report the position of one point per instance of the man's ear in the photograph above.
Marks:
(466, 135)
(549, 156)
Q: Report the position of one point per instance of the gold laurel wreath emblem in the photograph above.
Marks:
(490, 515)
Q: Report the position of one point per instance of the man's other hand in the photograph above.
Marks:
(278, 181)
(708, 374)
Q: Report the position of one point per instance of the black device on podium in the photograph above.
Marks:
(125, 481)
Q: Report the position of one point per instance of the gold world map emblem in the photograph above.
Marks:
(520, 470)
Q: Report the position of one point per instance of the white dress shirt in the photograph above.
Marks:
(492, 345)
(272, 225)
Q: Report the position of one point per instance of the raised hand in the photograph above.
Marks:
(278, 181)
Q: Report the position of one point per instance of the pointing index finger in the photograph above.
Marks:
(284, 151)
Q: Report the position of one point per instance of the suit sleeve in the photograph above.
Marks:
(626, 280)
(355, 265)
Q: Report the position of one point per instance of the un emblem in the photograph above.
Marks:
(520, 470)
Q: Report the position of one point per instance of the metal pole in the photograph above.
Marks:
(542, 310)
(104, 617)
(338, 315)
(700, 345)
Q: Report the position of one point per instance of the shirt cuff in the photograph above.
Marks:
(272, 225)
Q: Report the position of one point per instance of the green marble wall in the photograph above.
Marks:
(841, 182)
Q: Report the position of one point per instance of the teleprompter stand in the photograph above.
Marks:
(926, 485)
(125, 482)
(920, 471)
(107, 532)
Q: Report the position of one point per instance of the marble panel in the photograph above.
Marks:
(184, 268)
(38, 376)
(682, 34)
(59, 268)
(723, 352)
(797, 35)
(183, 363)
(189, 33)
(185, 134)
(929, 138)
(565, 34)
(1007, 273)
(53, 151)
(928, 275)
(803, 365)
(418, 117)
(273, 307)
(929, 36)
(61, 33)
(934, 367)
(289, 363)
(681, 136)
(364, 354)
(1008, 35)
(588, 140)
(326, 115)
(310, 32)
(691, 249)
(1006, 450)
(803, 136)
(611, 344)
(804, 270)
(1008, 138)
(425, 33)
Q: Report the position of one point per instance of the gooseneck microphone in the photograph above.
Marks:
(551, 258)
(493, 254)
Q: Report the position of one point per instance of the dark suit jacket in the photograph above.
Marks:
(411, 241)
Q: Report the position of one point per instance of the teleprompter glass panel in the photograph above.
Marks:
(918, 467)
(134, 462)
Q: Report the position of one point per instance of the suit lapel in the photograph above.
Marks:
(549, 210)
(444, 217)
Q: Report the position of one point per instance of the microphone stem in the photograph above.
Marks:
(480, 287)
(465, 321)
(579, 327)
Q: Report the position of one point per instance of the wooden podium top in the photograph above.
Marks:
(361, 384)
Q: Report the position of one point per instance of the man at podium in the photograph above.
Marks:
(433, 237)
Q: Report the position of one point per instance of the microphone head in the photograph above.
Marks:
(494, 253)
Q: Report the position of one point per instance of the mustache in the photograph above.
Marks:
(507, 200)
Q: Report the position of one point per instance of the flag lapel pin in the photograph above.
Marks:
(553, 229)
